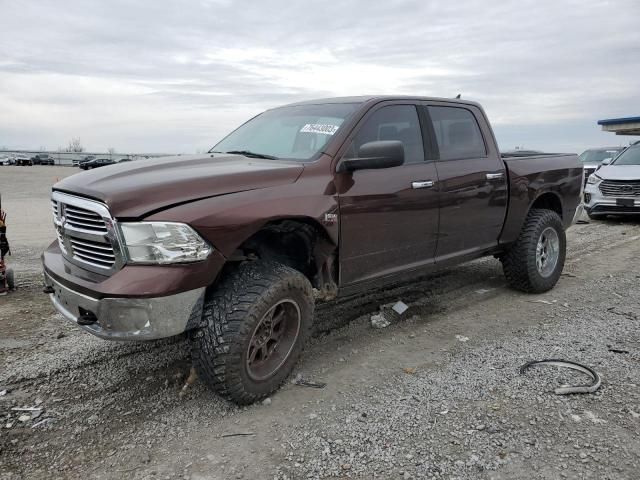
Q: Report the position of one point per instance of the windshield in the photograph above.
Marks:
(597, 156)
(294, 133)
(631, 156)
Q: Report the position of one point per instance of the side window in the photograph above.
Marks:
(457, 133)
(395, 122)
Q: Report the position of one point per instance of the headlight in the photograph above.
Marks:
(162, 242)
(593, 179)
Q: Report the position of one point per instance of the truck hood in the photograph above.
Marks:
(619, 172)
(135, 189)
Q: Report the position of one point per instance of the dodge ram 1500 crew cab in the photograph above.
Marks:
(301, 203)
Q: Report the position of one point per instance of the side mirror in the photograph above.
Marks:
(607, 161)
(378, 154)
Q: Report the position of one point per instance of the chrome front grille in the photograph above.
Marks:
(54, 208)
(96, 253)
(86, 233)
(620, 188)
(82, 218)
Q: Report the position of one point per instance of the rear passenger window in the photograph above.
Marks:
(395, 122)
(457, 133)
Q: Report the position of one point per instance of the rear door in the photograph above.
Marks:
(472, 180)
(388, 217)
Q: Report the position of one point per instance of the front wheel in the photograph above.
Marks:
(256, 323)
(535, 261)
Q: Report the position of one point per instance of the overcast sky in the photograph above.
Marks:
(175, 76)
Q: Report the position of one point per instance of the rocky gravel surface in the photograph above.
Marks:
(477, 417)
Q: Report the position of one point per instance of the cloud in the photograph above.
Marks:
(176, 76)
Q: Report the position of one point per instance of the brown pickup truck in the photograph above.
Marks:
(301, 203)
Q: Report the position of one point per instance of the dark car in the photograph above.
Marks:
(96, 163)
(42, 159)
(23, 160)
(124, 160)
(77, 163)
(302, 203)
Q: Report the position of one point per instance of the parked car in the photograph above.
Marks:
(593, 157)
(5, 160)
(124, 160)
(42, 159)
(77, 163)
(96, 163)
(23, 160)
(300, 204)
(614, 188)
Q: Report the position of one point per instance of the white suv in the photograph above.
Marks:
(614, 188)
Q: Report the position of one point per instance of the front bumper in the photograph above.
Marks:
(597, 203)
(128, 318)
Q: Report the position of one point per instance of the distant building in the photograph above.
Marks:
(621, 126)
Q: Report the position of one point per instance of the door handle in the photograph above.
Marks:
(424, 184)
(495, 176)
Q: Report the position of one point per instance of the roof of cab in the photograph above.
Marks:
(379, 98)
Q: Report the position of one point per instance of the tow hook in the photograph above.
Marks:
(86, 317)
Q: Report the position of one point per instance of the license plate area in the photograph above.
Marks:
(624, 202)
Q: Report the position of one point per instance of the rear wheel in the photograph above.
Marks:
(535, 261)
(257, 320)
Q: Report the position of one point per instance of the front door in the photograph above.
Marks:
(388, 217)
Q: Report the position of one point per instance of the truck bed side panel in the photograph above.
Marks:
(531, 177)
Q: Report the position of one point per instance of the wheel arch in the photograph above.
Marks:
(523, 200)
(548, 200)
(301, 243)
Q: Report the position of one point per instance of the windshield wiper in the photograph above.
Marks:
(248, 153)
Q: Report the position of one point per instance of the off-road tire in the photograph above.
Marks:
(231, 312)
(519, 262)
(11, 279)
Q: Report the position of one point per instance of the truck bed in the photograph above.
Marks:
(557, 176)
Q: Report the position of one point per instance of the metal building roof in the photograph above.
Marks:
(621, 126)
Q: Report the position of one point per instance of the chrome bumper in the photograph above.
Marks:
(128, 318)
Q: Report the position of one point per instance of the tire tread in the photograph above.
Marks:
(519, 264)
(229, 313)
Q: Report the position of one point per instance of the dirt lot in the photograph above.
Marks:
(435, 395)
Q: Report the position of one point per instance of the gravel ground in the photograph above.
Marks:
(437, 394)
(476, 417)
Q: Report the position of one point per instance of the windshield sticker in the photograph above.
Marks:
(325, 129)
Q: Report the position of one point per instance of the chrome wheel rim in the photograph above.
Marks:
(547, 252)
(273, 340)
